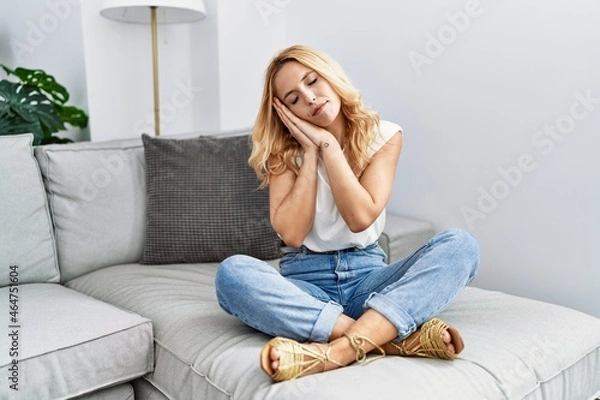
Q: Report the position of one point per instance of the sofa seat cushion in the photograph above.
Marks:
(67, 344)
(515, 348)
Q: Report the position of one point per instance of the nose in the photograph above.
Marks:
(310, 97)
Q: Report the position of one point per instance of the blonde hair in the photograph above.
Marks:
(271, 137)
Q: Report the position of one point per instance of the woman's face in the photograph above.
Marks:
(308, 95)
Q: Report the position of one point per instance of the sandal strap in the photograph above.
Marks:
(357, 342)
(430, 343)
(293, 362)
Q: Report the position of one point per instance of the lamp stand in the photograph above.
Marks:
(155, 70)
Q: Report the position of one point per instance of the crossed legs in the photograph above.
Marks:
(399, 300)
(403, 297)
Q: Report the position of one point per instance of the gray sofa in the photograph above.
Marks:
(83, 317)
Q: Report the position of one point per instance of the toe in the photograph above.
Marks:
(451, 348)
(274, 355)
(446, 337)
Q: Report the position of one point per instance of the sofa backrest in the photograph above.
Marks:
(97, 197)
(27, 248)
(96, 193)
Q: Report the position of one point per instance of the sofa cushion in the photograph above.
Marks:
(68, 344)
(123, 391)
(516, 348)
(402, 236)
(97, 199)
(146, 391)
(203, 202)
(26, 237)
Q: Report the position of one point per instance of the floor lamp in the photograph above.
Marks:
(154, 12)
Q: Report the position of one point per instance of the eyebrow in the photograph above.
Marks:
(303, 78)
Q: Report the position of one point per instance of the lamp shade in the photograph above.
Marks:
(168, 11)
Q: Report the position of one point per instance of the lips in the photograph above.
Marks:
(319, 109)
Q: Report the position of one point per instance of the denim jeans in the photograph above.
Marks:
(304, 300)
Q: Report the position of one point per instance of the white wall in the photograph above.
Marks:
(249, 36)
(45, 34)
(476, 114)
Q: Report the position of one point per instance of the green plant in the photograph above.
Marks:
(36, 104)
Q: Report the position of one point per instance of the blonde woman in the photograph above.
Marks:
(329, 164)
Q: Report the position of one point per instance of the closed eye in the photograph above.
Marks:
(313, 81)
(295, 100)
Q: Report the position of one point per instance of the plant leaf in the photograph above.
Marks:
(73, 116)
(36, 104)
(13, 125)
(27, 103)
(41, 80)
(7, 70)
(55, 139)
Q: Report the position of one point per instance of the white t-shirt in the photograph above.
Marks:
(329, 231)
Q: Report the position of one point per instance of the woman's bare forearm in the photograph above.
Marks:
(293, 201)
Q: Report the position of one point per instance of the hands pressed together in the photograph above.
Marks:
(310, 136)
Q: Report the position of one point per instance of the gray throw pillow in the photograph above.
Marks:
(203, 202)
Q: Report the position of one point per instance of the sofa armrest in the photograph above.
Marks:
(402, 236)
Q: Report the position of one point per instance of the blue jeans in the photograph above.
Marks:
(304, 301)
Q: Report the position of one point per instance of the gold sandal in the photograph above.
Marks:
(291, 360)
(430, 340)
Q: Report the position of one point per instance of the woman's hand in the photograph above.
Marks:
(308, 135)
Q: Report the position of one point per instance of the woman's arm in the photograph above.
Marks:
(360, 202)
(293, 199)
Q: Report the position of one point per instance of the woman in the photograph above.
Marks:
(329, 164)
